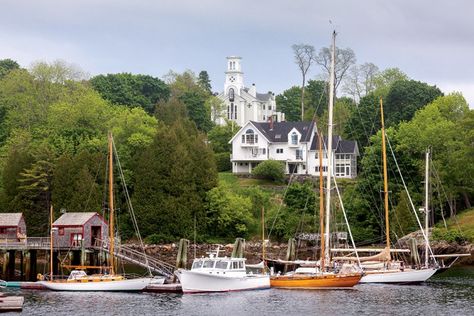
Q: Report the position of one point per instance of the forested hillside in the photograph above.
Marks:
(54, 122)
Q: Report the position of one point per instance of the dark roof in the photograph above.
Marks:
(346, 146)
(279, 133)
(10, 219)
(342, 146)
(74, 218)
(264, 96)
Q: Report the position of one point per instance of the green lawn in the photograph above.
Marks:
(231, 179)
(464, 223)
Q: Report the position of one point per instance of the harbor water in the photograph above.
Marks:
(449, 293)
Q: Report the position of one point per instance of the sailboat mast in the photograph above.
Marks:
(385, 180)
(51, 214)
(329, 148)
(321, 201)
(111, 206)
(427, 188)
(263, 235)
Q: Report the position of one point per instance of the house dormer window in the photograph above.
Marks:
(250, 137)
(294, 138)
(231, 95)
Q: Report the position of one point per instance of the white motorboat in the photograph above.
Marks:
(220, 274)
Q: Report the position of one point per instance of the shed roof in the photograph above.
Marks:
(10, 219)
(74, 218)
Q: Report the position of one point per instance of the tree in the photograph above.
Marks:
(185, 88)
(345, 58)
(386, 78)
(228, 214)
(317, 96)
(172, 177)
(360, 80)
(304, 56)
(7, 65)
(58, 71)
(405, 98)
(219, 137)
(341, 115)
(204, 81)
(289, 103)
(441, 126)
(132, 90)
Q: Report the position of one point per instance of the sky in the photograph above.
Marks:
(430, 40)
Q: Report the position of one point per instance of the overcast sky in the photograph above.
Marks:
(429, 40)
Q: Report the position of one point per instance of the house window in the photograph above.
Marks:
(294, 138)
(251, 137)
(299, 154)
(3, 230)
(279, 150)
(269, 107)
(264, 118)
(61, 231)
(264, 151)
(243, 139)
(264, 106)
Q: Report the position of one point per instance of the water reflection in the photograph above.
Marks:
(451, 293)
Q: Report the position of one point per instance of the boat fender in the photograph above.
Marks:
(40, 277)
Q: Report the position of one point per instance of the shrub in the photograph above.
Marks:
(270, 169)
(159, 238)
(449, 236)
(223, 161)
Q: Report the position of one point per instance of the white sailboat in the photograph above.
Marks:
(78, 280)
(220, 274)
(393, 271)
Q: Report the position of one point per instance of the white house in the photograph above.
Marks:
(295, 144)
(241, 104)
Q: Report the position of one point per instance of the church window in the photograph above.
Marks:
(264, 106)
(235, 112)
(269, 107)
(264, 118)
(228, 112)
(231, 95)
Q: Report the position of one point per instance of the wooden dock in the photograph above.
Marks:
(164, 288)
(11, 303)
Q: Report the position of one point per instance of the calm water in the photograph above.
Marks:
(450, 293)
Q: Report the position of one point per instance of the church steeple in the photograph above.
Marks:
(234, 76)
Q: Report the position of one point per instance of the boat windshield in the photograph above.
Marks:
(208, 264)
(75, 274)
(197, 264)
(221, 264)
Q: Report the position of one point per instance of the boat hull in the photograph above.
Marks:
(397, 276)
(329, 281)
(128, 285)
(198, 282)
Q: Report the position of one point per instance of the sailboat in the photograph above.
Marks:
(78, 280)
(384, 269)
(316, 275)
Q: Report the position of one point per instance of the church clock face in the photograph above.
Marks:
(232, 79)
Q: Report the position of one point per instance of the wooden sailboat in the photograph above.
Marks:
(381, 268)
(78, 280)
(309, 275)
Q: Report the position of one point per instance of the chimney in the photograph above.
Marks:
(253, 90)
(270, 120)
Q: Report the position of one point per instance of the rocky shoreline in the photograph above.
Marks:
(253, 251)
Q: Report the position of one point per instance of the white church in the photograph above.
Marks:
(242, 104)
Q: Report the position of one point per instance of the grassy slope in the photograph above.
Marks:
(464, 221)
